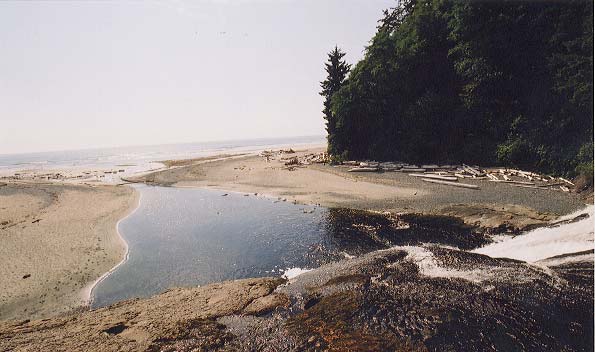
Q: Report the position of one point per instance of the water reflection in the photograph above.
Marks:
(189, 237)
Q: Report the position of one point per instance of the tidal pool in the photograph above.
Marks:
(186, 237)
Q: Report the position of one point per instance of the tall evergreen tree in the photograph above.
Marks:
(337, 70)
(487, 82)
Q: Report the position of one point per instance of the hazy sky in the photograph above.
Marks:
(79, 74)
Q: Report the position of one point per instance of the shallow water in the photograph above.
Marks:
(188, 237)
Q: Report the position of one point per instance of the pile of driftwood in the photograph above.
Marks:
(528, 179)
(306, 159)
(292, 161)
(316, 158)
(450, 174)
(67, 175)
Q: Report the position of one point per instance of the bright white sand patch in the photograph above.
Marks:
(548, 241)
(293, 272)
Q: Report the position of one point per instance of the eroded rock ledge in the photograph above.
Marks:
(176, 317)
(405, 298)
(499, 218)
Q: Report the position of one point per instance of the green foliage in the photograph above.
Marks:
(337, 70)
(586, 170)
(338, 159)
(584, 161)
(488, 82)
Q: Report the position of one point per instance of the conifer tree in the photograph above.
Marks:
(337, 70)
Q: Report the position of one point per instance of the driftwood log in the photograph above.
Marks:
(515, 182)
(363, 169)
(436, 177)
(448, 183)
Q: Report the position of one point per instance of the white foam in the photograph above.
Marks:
(547, 241)
(294, 272)
(424, 259)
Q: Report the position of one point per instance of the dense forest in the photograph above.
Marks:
(486, 82)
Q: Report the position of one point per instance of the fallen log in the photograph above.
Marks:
(412, 170)
(363, 169)
(350, 163)
(552, 184)
(436, 177)
(440, 173)
(472, 171)
(529, 186)
(565, 180)
(431, 166)
(515, 182)
(448, 183)
(494, 178)
(369, 164)
(527, 173)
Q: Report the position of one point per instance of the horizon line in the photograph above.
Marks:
(160, 144)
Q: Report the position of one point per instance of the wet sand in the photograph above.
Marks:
(57, 239)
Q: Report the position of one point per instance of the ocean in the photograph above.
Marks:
(140, 158)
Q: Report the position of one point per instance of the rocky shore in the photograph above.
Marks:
(424, 298)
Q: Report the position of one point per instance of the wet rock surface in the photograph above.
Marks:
(499, 218)
(410, 298)
(360, 232)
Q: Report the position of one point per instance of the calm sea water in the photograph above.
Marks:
(140, 158)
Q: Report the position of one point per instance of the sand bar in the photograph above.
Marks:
(493, 206)
(57, 239)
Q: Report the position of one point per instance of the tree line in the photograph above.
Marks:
(486, 82)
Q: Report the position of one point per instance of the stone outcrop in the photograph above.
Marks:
(410, 298)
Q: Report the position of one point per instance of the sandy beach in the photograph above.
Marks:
(493, 205)
(57, 239)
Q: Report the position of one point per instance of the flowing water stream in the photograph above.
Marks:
(569, 234)
(188, 237)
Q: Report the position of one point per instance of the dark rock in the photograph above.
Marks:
(426, 298)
